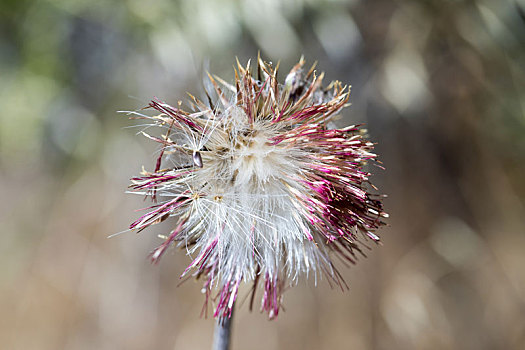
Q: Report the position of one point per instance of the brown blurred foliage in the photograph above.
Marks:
(439, 83)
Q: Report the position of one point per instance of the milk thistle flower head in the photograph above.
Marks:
(262, 188)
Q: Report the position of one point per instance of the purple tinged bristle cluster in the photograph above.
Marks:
(330, 192)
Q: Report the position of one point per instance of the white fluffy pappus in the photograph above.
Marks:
(260, 188)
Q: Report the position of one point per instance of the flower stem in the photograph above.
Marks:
(221, 337)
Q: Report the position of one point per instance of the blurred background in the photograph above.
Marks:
(440, 85)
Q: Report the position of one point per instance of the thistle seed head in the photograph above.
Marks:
(261, 187)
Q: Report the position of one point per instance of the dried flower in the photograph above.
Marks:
(262, 187)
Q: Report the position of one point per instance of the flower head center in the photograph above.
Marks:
(254, 159)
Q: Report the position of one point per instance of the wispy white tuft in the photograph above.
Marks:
(259, 188)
